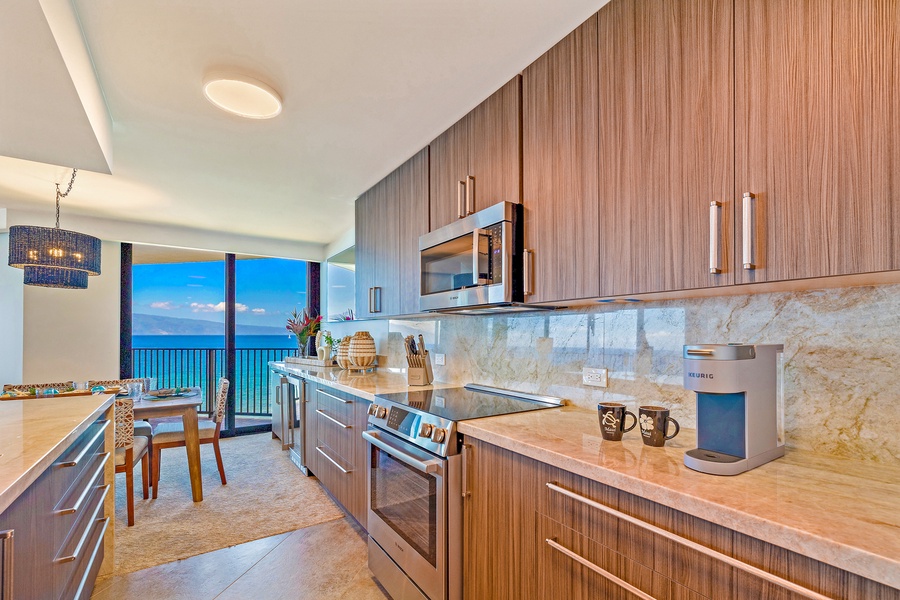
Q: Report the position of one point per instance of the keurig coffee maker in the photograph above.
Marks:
(739, 406)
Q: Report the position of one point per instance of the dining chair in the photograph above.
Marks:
(129, 450)
(25, 387)
(171, 435)
(141, 428)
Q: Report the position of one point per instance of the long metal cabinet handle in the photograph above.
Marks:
(715, 237)
(466, 449)
(375, 299)
(332, 419)
(319, 391)
(87, 573)
(428, 466)
(87, 532)
(87, 490)
(528, 272)
(6, 564)
(600, 571)
(749, 223)
(738, 564)
(74, 462)
(460, 199)
(470, 195)
(331, 460)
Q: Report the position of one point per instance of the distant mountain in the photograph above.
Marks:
(157, 325)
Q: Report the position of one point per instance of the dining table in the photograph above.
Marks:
(151, 407)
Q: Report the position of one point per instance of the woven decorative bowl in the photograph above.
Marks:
(343, 353)
(362, 349)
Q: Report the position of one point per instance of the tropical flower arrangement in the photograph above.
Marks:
(303, 326)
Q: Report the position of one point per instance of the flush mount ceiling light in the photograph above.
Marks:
(54, 257)
(243, 96)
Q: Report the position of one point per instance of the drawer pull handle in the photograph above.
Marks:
(738, 564)
(6, 564)
(87, 531)
(331, 460)
(318, 391)
(87, 572)
(322, 413)
(603, 572)
(74, 462)
(87, 490)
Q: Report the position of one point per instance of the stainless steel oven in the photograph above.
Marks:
(473, 262)
(414, 496)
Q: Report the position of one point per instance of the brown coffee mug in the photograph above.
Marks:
(612, 420)
(654, 425)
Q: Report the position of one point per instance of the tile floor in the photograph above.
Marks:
(321, 562)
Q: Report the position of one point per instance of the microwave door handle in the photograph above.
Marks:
(479, 236)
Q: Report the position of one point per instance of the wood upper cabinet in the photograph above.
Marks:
(560, 193)
(390, 217)
(666, 145)
(482, 150)
(817, 137)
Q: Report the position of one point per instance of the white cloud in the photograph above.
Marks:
(163, 305)
(196, 277)
(198, 307)
(259, 311)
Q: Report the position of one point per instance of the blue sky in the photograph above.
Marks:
(268, 289)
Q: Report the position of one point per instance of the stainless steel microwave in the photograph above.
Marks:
(474, 264)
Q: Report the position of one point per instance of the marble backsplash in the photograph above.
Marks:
(842, 350)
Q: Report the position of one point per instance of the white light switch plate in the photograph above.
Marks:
(595, 377)
(440, 359)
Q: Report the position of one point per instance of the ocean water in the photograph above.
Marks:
(212, 341)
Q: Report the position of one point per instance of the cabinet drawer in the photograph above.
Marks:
(335, 403)
(67, 470)
(338, 435)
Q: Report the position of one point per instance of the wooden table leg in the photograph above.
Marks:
(192, 445)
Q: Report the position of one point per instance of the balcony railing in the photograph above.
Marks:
(186, 367)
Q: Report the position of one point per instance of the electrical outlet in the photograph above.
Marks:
(595, 377)
(440, 359)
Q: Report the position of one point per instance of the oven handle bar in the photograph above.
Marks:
(428, 466)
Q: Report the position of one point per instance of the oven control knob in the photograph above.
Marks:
(425, 430)
(438, 435)
(373, 408)
(380, 412)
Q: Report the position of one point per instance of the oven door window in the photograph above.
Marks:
(406, 500)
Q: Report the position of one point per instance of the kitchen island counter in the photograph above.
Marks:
(33, 433)
(382, 380)
(841, 512)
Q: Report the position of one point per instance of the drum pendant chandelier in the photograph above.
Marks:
(54, 257)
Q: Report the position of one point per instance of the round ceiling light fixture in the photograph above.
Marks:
(243, 96)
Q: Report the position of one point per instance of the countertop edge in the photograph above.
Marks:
(31, 473)
(879, 568)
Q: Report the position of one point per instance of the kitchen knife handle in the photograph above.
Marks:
(528, 272)
(715, 237)
(460, 199)
(749, 224)
(470, 195)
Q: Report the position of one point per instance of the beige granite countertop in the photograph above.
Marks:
(841, 512)
(365, 385)
(33, 433)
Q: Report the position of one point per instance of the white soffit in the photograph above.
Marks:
(51, 107)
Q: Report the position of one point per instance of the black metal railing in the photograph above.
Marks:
(187, 367)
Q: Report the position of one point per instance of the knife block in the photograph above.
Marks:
(420, 375)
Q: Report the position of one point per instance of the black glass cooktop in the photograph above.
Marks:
(460, 404)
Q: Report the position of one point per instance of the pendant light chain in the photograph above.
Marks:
(60, 194)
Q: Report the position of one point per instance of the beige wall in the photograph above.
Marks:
(11, 311)
(73, 334)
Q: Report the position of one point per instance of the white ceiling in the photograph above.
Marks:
(365, 86)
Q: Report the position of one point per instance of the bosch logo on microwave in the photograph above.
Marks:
(700, 375)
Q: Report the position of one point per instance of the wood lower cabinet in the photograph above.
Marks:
(817, 139)
(390, 217)
(51, 537)
(560, 193)
(340, 451)
(525, 539)
(310, 425)
(483, 150)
